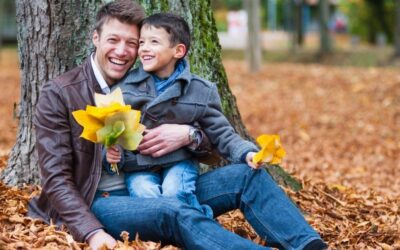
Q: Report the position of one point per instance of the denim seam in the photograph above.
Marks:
(214, 197)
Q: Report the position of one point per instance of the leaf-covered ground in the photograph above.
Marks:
(341, 130)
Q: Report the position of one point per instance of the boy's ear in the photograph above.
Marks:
(180, 51)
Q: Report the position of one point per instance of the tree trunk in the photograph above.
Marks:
(397, 31)
(325, 42)
(299, 32)
(54, 36)
(253, 51)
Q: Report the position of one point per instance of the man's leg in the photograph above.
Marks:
(164, 219)
(267, 208)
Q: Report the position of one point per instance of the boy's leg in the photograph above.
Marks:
(179, 181)
(267, 208)
(143, 184)
(164, 219)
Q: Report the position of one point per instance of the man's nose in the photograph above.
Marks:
(121, 49)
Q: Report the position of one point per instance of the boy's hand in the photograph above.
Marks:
(113, 154)
(249, 160)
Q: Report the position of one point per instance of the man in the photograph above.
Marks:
(96, 208)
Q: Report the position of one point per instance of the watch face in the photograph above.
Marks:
(192, 134)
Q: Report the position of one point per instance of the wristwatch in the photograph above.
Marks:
(194, 135)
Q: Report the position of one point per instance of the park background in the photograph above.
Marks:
(333, 96)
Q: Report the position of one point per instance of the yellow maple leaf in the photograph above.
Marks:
(271, 150)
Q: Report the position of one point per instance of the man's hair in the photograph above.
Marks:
(125, 11)
(177, 28)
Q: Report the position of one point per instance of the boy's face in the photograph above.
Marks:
(156, 53)
(116, 49)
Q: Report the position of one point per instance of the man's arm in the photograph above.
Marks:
(170, 137)
(55, 151)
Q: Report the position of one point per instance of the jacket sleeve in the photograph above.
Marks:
(55, 152)
(220, 132)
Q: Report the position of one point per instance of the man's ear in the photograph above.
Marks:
(180, 51)
(96, 38)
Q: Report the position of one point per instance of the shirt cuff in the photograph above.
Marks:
(92, 233)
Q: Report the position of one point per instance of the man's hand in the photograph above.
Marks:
(249, 160)
(164, 139)
(101, 238)
(113, 154)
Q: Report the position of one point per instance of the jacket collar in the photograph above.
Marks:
(91, 78)
(139, 75)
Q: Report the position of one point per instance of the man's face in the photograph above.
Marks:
(156, 53)
(116, 49)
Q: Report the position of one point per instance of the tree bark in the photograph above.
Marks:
(54, 36)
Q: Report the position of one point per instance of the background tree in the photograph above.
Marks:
(325, 41)
(54, 36)
(253, 51)
(397, 30)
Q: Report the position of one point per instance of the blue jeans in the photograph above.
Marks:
(267, 208)
(178, 180)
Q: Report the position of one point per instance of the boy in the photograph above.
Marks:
(166, 92)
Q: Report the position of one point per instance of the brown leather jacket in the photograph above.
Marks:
(70, 166)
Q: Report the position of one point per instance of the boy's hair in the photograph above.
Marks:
(125, 11)
(177, 28)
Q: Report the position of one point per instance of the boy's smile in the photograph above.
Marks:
(156, 53)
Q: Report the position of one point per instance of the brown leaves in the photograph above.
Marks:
(338, 124)
(348, 219)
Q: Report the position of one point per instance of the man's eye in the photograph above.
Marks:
(132, 44)
(111, 40)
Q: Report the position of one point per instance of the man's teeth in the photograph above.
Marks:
(117, 61)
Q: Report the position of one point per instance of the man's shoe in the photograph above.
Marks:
(316, 245)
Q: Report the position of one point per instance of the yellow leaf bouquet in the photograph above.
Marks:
(271, 150)
(111, 122)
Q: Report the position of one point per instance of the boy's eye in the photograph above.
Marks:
(154, 41)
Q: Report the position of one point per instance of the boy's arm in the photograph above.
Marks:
(220, 132)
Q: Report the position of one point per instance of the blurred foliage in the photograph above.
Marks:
(370, 18)
(227, 4)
